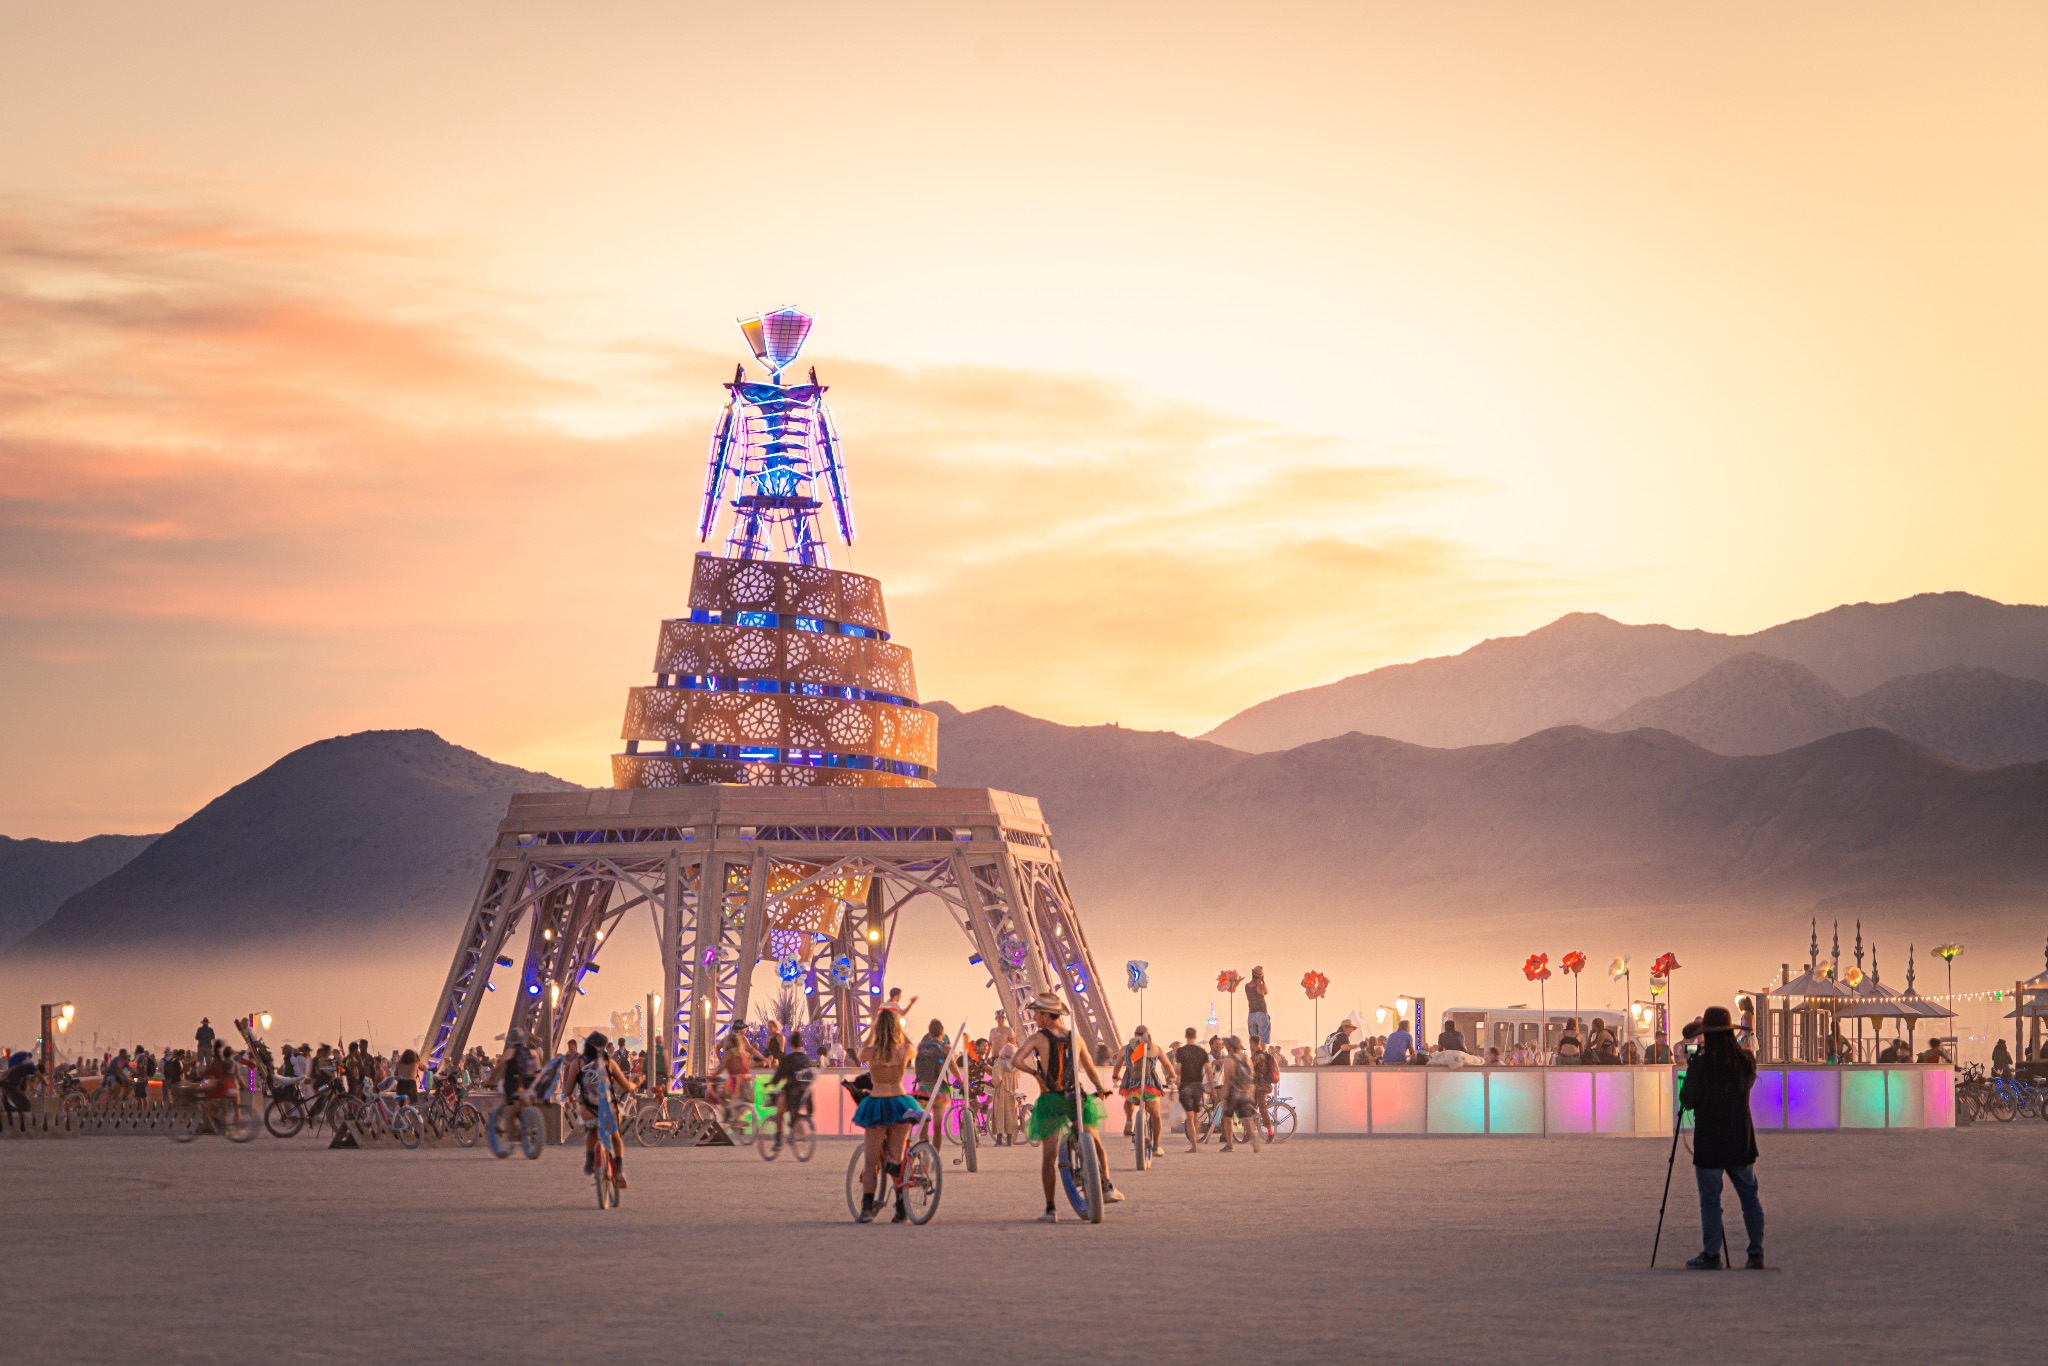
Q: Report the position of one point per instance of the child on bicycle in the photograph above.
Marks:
(792, 1081)
(1049, 1055)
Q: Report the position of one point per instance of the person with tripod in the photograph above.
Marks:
(1716, 1090)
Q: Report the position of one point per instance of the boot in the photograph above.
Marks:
(902, 1215)
(867, 1208)
(1755, 1262)
(1706, 1261)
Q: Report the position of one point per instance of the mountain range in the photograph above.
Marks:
(36, 876)
(1586, 669)
(378, 832)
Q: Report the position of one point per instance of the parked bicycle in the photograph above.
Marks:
(193, 1113)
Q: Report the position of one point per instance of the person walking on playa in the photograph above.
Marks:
(1716, 1090)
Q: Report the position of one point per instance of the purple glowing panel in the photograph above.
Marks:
(1400, 1100)
(1813, 1098)
(1343, 1101)
(1905, 1100)
(1614, 1102)
(1514, 1102)
(1569, 1096)
(1767, 1098)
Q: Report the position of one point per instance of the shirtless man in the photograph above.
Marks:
(1049, 1055)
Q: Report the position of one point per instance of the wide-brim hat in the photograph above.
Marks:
(1045, 1003)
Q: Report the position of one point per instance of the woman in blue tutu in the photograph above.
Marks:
(885, 1113)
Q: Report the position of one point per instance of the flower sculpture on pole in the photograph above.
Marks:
(1537, 970)
(1618, 971)
(1660, 981)
(1140, 979)
(1315, 984)
(1575, 963)
(1229, 980)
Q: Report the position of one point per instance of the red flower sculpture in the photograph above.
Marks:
(1315, 984)
(1228, 979)
(1573, 962)
(1537, 969)
(1664, 966)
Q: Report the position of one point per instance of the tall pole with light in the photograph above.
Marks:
(57, 1018)
(1949, 953)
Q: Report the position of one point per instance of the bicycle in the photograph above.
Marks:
(529, 1137)
(923, 1175)
(287, 1112)
(688, 1118)
(192, 1114)
(1280, 1119)
(604, 1170)
(384, 1112)
(799, 1136)
(447, 1114)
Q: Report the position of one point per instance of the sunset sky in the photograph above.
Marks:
(357, 362)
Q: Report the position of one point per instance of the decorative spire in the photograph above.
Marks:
(1859, 943)
(1873, 963)
(1909, 969)
(1835, 952)
(1813, 945)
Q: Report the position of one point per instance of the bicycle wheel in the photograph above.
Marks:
(468, 1125)
(969, 1141)
(803, 1139)
(1284, 1119)
(182, 1123)
(1141, 1139)
(406, 1126)
(494, 1132)
(530, 1137)
(607, 1190)
(700, 1125)
(1079, 1170)
(2001, 1107)
(236, 1122)
(284, 1118)
(923, 1176)
(767, 1144)
(853, 1181)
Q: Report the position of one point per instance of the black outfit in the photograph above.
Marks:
(1450, 1041)
(1193, 1061)
(1716, 1090)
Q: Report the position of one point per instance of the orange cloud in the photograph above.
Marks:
(257, 487)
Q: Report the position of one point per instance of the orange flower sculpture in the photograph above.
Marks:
(1537, 969)
(1573, 962)
(1315, 984)
(1228, 980)
(1664, 966)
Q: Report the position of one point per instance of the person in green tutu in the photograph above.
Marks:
(1049, 1055)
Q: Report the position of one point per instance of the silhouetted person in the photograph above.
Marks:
(1716, 1090)
(203, 1036)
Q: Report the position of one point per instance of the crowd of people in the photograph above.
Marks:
(1597, 1046)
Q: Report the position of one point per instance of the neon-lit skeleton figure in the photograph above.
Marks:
(776, 443)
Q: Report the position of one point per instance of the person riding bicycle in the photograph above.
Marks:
(595, 1086)
(1236, 1086)
(516, 1069)
(1049, 1055)
(792, 1084)
(1141, 1080)
(14, 1083)
(737, 1061)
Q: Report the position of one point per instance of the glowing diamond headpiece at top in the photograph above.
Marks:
(775, 338)
(777, 444)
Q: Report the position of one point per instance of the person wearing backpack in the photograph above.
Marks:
(1234, 1081)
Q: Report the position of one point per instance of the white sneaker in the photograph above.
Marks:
(1051, 1216)
(1113, 1196)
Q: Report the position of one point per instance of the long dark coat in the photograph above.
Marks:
(1716, 1090)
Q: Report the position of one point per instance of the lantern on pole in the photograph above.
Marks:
(1618, 971)
(1314, 984)
(1228, 981)
(1140, 979)
(1949, 953)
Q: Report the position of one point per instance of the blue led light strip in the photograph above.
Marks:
(711, 683)
(789, 621)
(770, 754)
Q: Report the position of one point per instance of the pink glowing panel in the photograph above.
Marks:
(1653, 1099)
(1514, 1102)
(1299, 1090)
(1813, 1098)
(1905, 1099)
(1342, 1101)
(1614, 1103)
(1400, 1100)
(1939, 1098)
(1767, 1098)
(1457, 1101)
(1569, 1096)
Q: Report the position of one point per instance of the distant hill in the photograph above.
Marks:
(1584, 668)
(1748, 704)
(1568, 816)
(384, 830)
(1755, 704)
(36, 876)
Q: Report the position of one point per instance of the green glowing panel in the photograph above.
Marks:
(1862, 1098)
(1457, 1101)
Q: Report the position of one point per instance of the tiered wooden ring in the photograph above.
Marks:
(782, 675)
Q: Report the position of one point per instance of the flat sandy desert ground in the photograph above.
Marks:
(1900, 1246)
